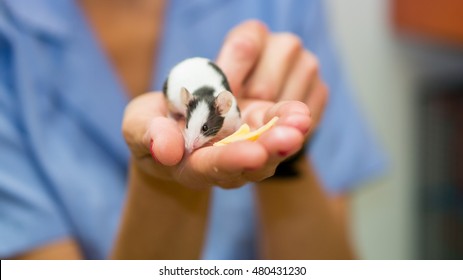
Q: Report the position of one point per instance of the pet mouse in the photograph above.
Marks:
(197, 90)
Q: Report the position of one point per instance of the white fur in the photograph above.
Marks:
(194, 73)
(193, 139)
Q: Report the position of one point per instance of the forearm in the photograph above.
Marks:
(299, 221)
(161, 220)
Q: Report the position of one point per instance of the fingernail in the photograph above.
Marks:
(283, 153)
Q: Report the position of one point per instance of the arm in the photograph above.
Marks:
(66, 249)
(299, 221)
(162, 220)
(168, 194)
(166, 209)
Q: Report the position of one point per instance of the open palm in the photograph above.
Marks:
(157, 144)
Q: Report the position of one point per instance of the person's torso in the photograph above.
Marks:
(71, 105)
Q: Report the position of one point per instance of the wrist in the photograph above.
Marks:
(150, 184)
(161, 219)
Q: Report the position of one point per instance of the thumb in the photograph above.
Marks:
(146, 128)
(166, 141)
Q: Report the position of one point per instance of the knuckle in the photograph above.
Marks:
(247, 38)
(255, 25)
(292, 43)
(310, 64)
(244, 46)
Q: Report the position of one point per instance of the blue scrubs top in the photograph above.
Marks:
(63, 160)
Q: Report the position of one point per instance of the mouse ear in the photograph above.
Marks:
(223, 102)
(186, 95)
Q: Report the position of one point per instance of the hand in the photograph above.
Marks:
(272, 66)
(157, 144)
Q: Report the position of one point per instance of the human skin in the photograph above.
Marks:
(297, 219)
(165, 214)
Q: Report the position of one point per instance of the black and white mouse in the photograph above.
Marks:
(197, 90)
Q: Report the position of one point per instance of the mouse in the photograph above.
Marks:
(197, 90)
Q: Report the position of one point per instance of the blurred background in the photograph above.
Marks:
(404, 58)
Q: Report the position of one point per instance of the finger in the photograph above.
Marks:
(285, 138)
(166, 143)
(290, 113)
(225, 165)
(288, 136)
(137, 116)
(280, 143)
(253, 111)
(277, 60)
(147, 129)
(299, 80)
(293, 114)
(240, 52)
(317, 100)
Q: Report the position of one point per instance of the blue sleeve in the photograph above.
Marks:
(29, 215)
(343, 149)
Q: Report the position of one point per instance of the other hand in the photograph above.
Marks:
(272, 66)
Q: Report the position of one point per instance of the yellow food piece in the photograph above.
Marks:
(243, 130)
(244, 133)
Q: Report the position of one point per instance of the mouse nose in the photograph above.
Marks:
(191, 146)
(188, 146)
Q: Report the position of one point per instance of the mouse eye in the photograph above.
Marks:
(204, 128)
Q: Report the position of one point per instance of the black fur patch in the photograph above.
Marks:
(190, 108)
(164, 86)
(214, 120)
(206, 93)
(225, 83)
(239, 111)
